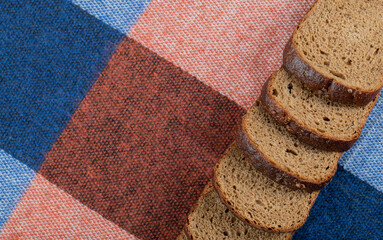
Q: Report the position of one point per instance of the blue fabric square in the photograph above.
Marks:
(365, 159)
(347, 208)
(120, 14)
(51, 52)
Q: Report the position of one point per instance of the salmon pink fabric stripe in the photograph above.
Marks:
(47, 212)
(232, 47)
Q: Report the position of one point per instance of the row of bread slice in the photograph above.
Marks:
(325, 106)
(266, 183)
(332, 75)
(252, 206)
(320, 103)
(241, 203)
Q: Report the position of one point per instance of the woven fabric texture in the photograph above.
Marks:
(365, 158)
(15, 178)
(348, 208)
(113, 114)
(119, 14)
(232, 46)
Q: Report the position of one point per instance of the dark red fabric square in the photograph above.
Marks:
(143, 143)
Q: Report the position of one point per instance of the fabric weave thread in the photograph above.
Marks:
(113, 113)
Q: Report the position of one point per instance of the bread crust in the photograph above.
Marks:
(182, 233)
(187, 233)
(267, 168)
(325, 85)
(253, 224)
(304, 133)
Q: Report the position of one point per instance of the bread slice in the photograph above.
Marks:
(256, 199)
(338, 49)
(209, 219)
(182, 236)
(281, 156)
(311, 117)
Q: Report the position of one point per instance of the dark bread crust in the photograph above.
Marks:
(267, 168)
(290, 236)
(327, 86)
(311, 137)
(182, 233)
(235, 213)
(188, 234)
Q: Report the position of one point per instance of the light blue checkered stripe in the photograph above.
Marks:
(365, 159)
(120, 14)
(15, 178)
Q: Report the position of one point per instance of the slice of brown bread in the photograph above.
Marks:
(182, 236)
(210, 219)
(338, 49)
(258, 200)
(311, 117)
(281, 156)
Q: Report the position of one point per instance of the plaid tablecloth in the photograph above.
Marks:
(113, 113)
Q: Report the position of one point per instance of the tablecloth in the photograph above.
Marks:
(113, 113)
